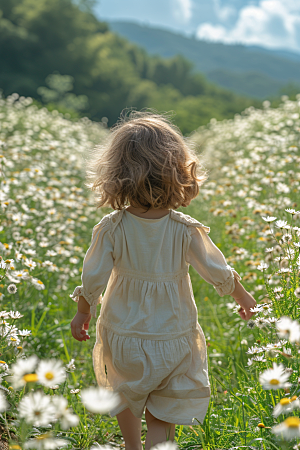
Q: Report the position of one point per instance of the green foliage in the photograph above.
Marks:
(254, 72)
(41, 38)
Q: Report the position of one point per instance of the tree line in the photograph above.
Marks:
(47, 40)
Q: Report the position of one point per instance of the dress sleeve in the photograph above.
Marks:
(210, 263)
(97, 266)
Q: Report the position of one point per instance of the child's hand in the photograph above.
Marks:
(79, 324)
(246, 302)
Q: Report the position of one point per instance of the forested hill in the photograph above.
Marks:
(247, 70)
(39, 38)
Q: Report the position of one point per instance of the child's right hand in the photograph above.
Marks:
(79, 324)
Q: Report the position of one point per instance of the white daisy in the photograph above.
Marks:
(63, 413)
(102, 447)
(253, 350)
(12, 289)
(38, 284)
(15, 315)
(286, 327)
(24, 333)
(286, 405)
(165, 446)
(275, 378)
(289, 429)
(281, 223)
(262, 266)
(259, 358)
(45, 442)
(70, 367)
(74, 391)
(51, 372)
(99, 400)
(3, 402)
(22, 371)
(269, 218)
(37, 408)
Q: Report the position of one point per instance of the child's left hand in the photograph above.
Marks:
(79, 324)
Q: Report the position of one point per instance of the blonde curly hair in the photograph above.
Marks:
(145, 162)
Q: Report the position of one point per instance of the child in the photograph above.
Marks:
(150, 347)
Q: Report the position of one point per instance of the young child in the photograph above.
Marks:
(150, 347)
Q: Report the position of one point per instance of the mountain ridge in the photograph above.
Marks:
(223, 64)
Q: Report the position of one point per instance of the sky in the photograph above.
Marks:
(272, 24)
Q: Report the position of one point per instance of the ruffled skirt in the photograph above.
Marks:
(169, 377)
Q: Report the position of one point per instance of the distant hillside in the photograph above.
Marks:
(252, 71)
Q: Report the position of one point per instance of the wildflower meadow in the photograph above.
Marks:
(48, 393)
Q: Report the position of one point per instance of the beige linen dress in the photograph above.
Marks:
(150, 347)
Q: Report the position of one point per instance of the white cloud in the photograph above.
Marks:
(272, 23)
(223, 12)
(183, 10)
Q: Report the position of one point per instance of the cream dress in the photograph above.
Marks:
(150, 347)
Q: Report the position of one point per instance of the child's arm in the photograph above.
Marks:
(244, 299)
(97, 266)
(81, 320)
(211, 265)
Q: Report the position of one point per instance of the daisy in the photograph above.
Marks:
(51, 372)
(37, 408)
(253, 350)
(99, 400)
(286, 405)
(45, 442)
(168, 445)
(4, 315)
(274, 378)
(259, 358)
(261, 322)
(30, 263)
(12, 289)
(15, 315)
(3, 402)
(102, 447)
(289, 429)
(24, 333)
(297, 292)
(22, 371)
(262, 266)
(38, 284)
(63, 413)
(269, 218)
(281, 223)
(283, 326)
(70, 367)
(74, 391)
(291, 211)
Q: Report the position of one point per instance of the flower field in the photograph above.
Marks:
(251, 201)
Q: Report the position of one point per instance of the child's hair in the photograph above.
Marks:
(146, 163)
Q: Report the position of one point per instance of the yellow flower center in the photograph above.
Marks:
(2, 362)
(39, 282)
(294, 398)
(49, 375)
(30, 377)
(292, 422)
(14, 447)
(42, 436)
(261, 425)
(274, 381)
(285, 401)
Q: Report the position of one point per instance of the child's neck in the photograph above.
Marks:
(150, 214)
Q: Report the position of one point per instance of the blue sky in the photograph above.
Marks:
(269, 23)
